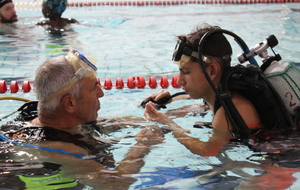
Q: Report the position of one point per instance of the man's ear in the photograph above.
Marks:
(48, 13)
(213, 69)
(68, 102)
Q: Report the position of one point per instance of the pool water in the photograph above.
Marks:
(139, 41)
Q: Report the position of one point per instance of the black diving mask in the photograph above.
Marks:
(182, 49)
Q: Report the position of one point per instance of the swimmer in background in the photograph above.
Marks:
(8, 16)
(53, 10)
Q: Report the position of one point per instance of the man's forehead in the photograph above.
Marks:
(89, 81)
(7, 5)
(185, 65)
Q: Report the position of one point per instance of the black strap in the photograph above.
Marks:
(161, 103)
(239, 128)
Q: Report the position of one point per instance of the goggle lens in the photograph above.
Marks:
(83, 58)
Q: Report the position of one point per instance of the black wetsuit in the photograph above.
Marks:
(18, 131)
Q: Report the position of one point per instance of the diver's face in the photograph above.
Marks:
(8, 13)
(193, 80)
(89, 104)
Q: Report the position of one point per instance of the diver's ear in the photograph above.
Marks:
(48, 13)
(68, 103)
(213, 69)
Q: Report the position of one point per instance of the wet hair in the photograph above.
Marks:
(216, 46)
(56, 6)
(4, 2)
(51, 76)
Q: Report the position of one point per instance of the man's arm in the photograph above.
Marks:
(134, 161)
(209, 148)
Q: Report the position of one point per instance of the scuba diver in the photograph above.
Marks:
(245, 104)
(60, 127)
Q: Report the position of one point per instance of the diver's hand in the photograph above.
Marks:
(152, 114)
(150, 136)
(159, 95)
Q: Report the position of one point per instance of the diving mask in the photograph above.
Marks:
(81, 66)
(182, 49)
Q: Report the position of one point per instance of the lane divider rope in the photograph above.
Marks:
(156, 2)
(131, 83)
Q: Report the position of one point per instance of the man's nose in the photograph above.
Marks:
(180, 80)
(100, 92)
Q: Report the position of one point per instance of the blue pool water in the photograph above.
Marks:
(138, 41)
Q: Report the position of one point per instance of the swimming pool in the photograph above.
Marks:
(138, 41)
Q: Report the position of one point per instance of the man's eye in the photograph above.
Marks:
(185, 72)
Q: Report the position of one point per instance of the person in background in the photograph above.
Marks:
(8, 14)
(53, 10)
(217, 57)
(68, 102)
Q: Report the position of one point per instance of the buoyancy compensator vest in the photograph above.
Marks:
(253, 84)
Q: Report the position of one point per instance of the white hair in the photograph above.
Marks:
(51, 76)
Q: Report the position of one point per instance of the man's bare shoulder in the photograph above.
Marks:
(71, 20)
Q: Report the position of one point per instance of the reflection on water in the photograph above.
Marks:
(138, 41)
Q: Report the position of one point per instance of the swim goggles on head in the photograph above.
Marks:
(81, 66)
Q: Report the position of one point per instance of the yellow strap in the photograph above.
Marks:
(14, 98)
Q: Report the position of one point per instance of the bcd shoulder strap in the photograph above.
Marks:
(252, 84)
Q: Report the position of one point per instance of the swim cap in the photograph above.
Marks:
(3, 2)
(56, 6)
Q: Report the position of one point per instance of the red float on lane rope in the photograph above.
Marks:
(107, 84)
(131, 82)
(152, 82)
(164, 83)
(3, 87)
(141, 82)
(14, 87)
(119, 83)
(26, 86)
(174, 81)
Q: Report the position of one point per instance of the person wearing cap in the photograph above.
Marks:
(216, 57)
(53, 10)
(8, 13)
(68, 95)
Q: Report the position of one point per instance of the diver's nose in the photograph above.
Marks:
(180, 79)
(100, 92)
